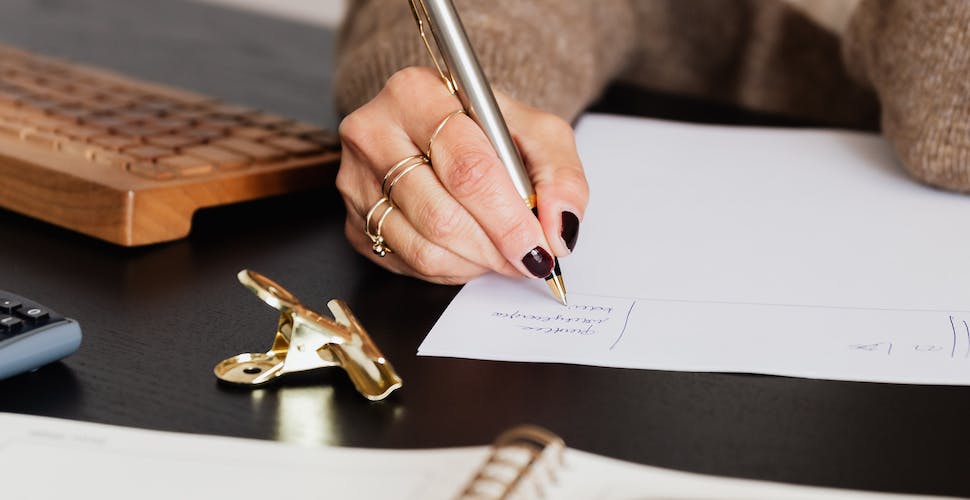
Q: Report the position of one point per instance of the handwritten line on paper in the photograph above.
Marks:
(508, 322)
(953, 349)
(967, 329)
(626, 323)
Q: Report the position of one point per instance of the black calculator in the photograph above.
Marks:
(32, 335)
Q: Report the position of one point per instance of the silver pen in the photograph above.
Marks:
(464, 77)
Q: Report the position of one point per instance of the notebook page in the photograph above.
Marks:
(52, 459)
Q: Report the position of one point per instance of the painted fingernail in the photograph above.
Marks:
(570, 229)
(538, 262)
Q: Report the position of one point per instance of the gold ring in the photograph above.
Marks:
(380, 247)
(390, 187)
(399, 165)
(440, 126)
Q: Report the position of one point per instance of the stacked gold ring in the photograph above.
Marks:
(380, 247)
(391, 178)
(399, 170)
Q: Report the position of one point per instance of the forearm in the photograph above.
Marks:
(557, 56)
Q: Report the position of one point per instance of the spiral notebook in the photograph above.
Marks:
(43, 458)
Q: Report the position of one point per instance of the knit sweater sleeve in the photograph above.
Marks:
(916, 55)
(554, 55)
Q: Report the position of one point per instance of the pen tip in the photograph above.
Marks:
(558, 287)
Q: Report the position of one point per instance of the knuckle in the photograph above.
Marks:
(516, 233)
(553, 125)
(344, 179)
(355, 130)
(429, 260)
(403, 84)
(573, 182)
(440, 223)
(467, 175)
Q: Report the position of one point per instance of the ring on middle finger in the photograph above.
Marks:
(398, 177)
(405, 163)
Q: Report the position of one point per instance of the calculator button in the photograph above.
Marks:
(9, 324)
(8, 305)
(33, 314)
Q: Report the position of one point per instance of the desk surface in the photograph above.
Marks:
(157, 319)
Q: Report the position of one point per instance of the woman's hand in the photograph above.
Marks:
(460, 217)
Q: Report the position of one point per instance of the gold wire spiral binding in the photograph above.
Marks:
(524, 463)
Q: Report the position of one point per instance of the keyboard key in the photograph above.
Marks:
(106, 122)
(172, 141)
(153, 171)
(10, 324)
(109, 158)
(187, 166)
(8, 306)
(294, 146)
(219, 157)
(114, 142)
(34, 315)
(203, 134)
(324, 138)
(80, 133)
(148, 153)
(253, 132)
(41, 138)
(266, 119)
(10, 128)
(298, 128)
(261, 153)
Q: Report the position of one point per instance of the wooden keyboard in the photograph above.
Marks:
(129, 161)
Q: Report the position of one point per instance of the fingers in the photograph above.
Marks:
(548, 147)
(379, 135)
(410, 254)
(439, 218)
(471, 172)
(461, 216)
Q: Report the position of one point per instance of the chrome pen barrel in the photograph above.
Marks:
(474, 91)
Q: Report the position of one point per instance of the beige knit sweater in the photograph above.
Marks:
(904, 64)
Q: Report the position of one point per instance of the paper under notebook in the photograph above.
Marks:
(804, 253)
(50, 459)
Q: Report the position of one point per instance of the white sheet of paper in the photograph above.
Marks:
(51, 459)
(704, 248)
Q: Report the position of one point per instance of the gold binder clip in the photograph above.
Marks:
(306, 340)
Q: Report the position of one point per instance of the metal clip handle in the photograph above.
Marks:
(306, 340)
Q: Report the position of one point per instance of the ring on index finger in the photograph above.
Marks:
(438, 129)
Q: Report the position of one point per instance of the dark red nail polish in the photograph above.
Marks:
(570, 229)
(538, 262)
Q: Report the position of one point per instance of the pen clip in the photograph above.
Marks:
(426, 19)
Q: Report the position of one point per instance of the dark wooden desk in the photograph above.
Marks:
(157, 319)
